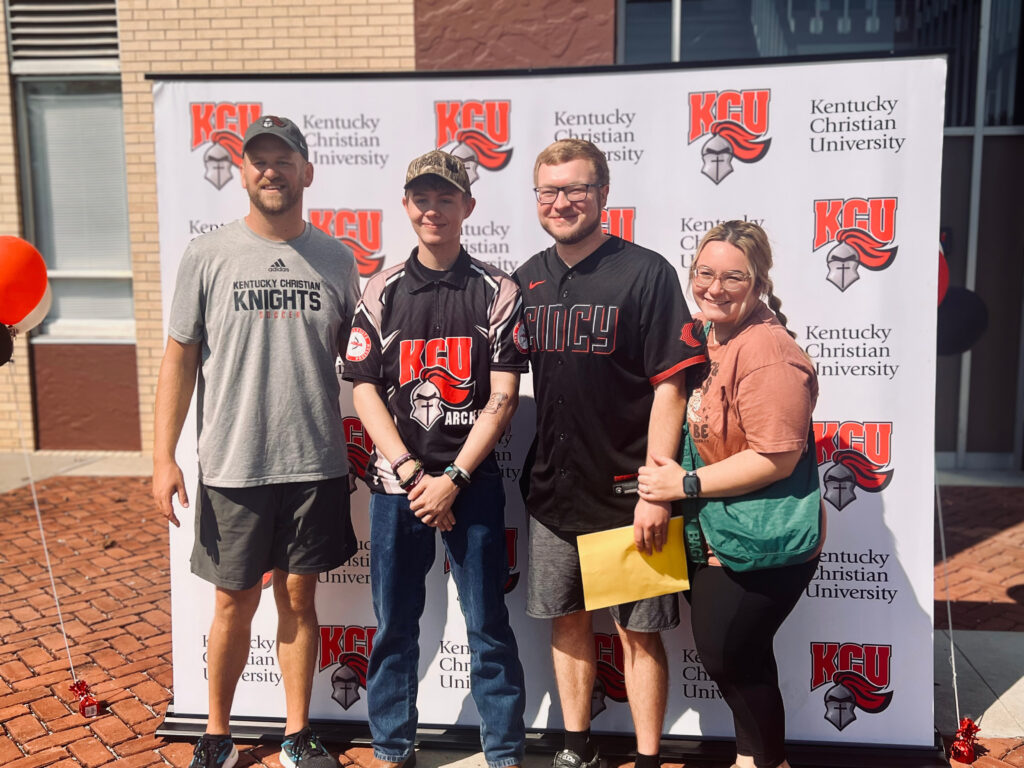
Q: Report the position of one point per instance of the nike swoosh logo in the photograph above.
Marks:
(535, 283)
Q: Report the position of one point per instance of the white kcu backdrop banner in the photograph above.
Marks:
(840, 162)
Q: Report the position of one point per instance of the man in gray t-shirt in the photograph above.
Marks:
(262, 307)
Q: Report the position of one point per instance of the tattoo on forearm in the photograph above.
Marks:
(496, 403)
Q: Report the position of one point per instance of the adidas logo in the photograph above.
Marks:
(277, 266)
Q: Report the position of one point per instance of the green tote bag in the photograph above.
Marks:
(771, 527)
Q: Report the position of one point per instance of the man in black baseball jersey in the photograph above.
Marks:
(436, 350)
(605, 320)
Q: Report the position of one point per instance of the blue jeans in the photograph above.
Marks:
(401, 554)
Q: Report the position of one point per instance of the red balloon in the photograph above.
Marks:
(22, 279)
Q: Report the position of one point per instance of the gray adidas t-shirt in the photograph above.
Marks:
(271, 318)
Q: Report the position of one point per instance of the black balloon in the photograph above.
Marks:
(963, 318)
(6, 344)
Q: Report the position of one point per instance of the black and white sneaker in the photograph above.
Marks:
(305, 750)
(214, 752)
(569, 759)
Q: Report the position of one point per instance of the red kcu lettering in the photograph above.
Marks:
(619, 222)
(359, 229)
(356, 434)
(336, 641)
(452, 353)
(608, 648)
(870, 661)
(871, 438)
(748, 108)
(211, 117)
(874, 215)
(492, 118)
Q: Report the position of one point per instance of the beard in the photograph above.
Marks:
(573, 236)
(286, 200)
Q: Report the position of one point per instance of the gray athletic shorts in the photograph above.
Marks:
(241, 533)
(555, 585)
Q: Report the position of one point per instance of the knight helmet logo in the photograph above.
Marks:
(359, 447)
(857, 454)
(619, 222)
(737, 123)
(477, 132)
(439, 370)
(858, 675)
(348, 647)
(610, 682)
(221, 125)
(511, 542)
(359, 229)
(857, 231)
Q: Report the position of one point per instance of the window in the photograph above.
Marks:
(717, 30)
(73, 184)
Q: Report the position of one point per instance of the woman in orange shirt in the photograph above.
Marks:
(749, 418)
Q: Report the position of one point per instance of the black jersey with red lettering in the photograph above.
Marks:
(602, 334)
(429, 340)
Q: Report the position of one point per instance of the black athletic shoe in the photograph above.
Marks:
(304, 750)
(214, 752)
(569, 759)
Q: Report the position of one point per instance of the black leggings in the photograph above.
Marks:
(735, 617)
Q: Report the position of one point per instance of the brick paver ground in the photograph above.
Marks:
(109, 554)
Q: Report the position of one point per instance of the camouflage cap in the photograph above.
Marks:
(438, 163)
(281, 127)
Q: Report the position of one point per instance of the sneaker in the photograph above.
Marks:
(569, 759)
(304, 750)
(214, 752)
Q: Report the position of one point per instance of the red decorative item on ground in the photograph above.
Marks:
(87, 705)
(962, 748)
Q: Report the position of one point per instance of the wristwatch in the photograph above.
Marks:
(458, 475)
(691, 484)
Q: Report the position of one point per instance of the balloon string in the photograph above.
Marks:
(949, 609)
(39, 519)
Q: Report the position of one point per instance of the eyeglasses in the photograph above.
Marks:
(574, 193)
(703, 277)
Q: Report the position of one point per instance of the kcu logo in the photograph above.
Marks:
(348, 647)
(477, 132)
(611, 680)
(360, 450)
(360, 230)
(737, 122)
(222, 125)
(859, 453)
(858, 673)
(860, 228)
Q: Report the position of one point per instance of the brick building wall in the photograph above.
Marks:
(274, 36)
(16, 399)
(222, 36)
(514, 34)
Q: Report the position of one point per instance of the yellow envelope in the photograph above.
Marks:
(615, 571)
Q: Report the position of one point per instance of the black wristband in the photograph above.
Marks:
(458, 475)
(417, 475)
(691, 484)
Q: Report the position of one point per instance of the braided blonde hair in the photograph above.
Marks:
(753, 241)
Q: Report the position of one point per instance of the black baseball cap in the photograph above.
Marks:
(281, 127)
